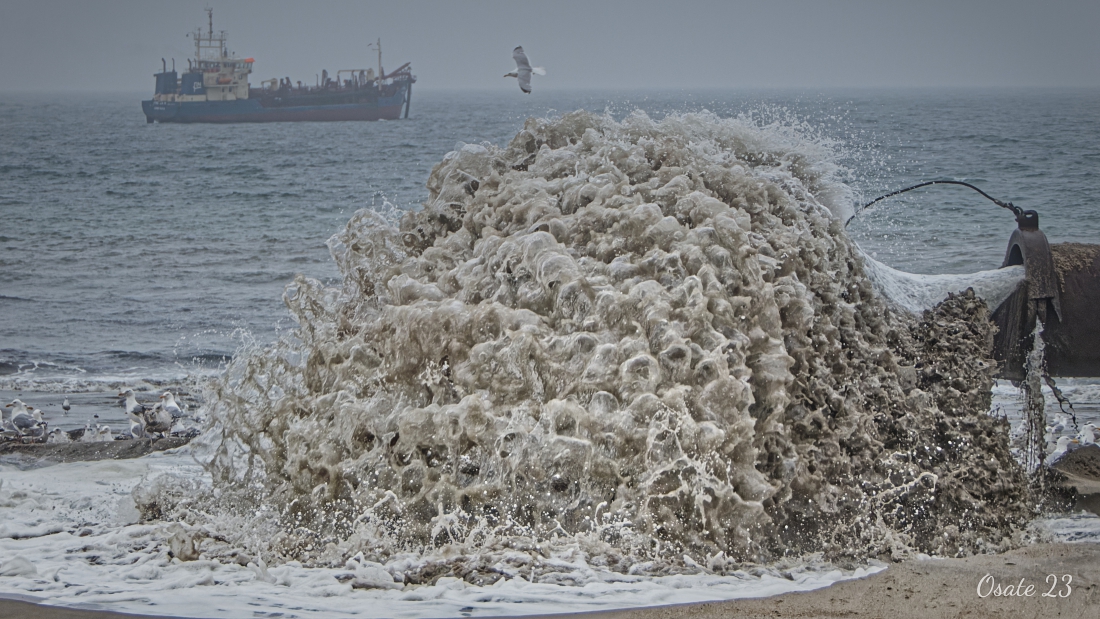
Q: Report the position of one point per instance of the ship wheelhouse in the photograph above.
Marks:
(212, 75)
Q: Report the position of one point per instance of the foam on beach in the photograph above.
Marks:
(72, 536)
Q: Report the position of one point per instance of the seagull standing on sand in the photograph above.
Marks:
(1088, 434)
(1061, 423)
(57, 435)
(132, 405)
(137, 425)
(137, 414)
(6, 423)
(523, 70)
(1061, 448)
(22, 418)
(170, 405)
(37, 427)
(158, 420)
(96, 433)
(65, 406)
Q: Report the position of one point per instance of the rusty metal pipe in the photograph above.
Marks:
(1062, 288)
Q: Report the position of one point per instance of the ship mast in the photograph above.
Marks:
(378, 46)
(208, 46)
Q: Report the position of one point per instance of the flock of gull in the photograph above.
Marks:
(27, 424)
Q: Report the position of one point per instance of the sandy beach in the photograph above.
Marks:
(920, 589)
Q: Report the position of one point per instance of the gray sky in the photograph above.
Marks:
(116, 45)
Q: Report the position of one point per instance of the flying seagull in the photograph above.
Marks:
(523, 70)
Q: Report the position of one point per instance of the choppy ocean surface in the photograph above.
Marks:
(148, 255)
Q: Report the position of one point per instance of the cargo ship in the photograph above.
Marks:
(215, 89)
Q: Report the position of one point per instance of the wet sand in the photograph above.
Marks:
(17, 609)
(38, 453)
(914, 589)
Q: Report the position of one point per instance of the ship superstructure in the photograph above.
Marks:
(215, 88)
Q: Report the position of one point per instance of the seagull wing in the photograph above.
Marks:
(521, 60)
(524, 78)
(23, 421)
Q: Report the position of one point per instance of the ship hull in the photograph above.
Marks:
(252, 111)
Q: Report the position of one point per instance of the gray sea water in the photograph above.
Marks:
(132, 252)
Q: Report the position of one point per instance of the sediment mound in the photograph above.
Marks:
(650, 340)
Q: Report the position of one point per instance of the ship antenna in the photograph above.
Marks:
(210, 16)
(378, 46)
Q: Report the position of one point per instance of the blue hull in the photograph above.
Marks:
(253, 111)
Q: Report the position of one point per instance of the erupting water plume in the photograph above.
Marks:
(650, 342)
